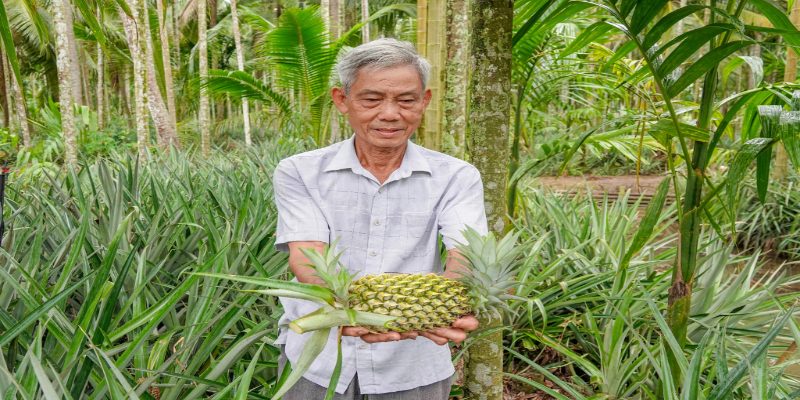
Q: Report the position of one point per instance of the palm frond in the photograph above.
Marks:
(240, 84)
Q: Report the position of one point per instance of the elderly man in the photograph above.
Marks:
(386, 200)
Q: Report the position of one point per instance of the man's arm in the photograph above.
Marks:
(298, 262)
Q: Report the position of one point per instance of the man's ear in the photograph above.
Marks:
(426, 98)
(338, 96)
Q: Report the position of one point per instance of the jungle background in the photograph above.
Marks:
(138, 140)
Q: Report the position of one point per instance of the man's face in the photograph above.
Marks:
(384, 106)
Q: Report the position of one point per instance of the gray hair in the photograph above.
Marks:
(380, 53)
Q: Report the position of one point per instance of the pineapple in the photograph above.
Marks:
(424, 302)
(419, 302)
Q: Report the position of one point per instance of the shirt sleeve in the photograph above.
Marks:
(299, 216)
(463, 207)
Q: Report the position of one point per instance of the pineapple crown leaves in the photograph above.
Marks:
(492, 268)
(331, 271)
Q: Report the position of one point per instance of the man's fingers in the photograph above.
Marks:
(354, 331)
(454, 335)
(467, 323)
(409, 335)
(441, 341)
(381, 337)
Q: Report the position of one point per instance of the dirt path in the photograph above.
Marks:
(643, 184)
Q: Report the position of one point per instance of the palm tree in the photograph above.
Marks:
(237, 38)
(134, 33)
(202, 45)
(164, 123)
(169, 86)
(454, 100)
(63, 23)
(489, 104)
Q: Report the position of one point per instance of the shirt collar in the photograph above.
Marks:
(346, 158)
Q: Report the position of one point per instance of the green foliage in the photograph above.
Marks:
(772, 225)
(607, 328)
(9, 144)
(96, 274)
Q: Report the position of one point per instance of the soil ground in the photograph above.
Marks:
(643, 184)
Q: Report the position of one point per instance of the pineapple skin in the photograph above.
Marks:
(420, 302)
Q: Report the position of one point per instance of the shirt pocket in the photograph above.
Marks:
(418, 227)
(343, 225)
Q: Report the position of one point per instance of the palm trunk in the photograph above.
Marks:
(169, 86)
(364, 16)
(22, 113)
(203, 118)
(237, 39)
(77, 93)
(454, 103)
(430, 134)
(139, 102)
(335, 13)
(5, 102)
(63, 24)
(324, 11)
(489, 104)
(165, 127)
(100, 88)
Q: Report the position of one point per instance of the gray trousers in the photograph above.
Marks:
(307, 390)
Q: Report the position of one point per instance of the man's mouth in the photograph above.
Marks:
(388, 130)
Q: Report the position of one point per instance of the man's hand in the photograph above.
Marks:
(455, 333)
(370, 337)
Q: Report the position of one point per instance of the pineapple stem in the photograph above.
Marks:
(322, 320)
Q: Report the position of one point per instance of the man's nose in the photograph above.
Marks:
(390, 111)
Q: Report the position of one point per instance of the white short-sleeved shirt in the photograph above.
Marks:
(326, 195)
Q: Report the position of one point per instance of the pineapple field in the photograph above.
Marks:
(139, 141)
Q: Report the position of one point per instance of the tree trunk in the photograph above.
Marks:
(433, 48)
(137, 53)
(165, 127)
(237, 39)
(324, 11)
(203, 117)
(365, 16)
(169, 86)
(63, 24)
(22, 113)
(454, 101)
(4, 91)
(101, 115)
(9, 106)
(490, 112)
(77, 93)
(781, 168)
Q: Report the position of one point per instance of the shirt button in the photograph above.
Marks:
(373, 253)
(377, 222)
(362, 347)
